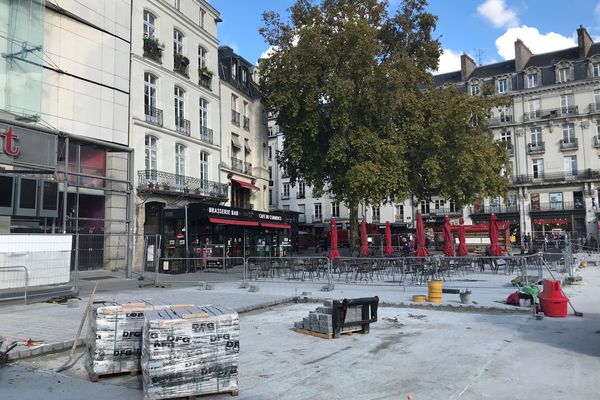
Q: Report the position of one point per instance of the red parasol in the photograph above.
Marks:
(421, 250)
(462, 241)
(364, 246)
(448, 239)
(333, 250)
(493, 228)
(389, 250)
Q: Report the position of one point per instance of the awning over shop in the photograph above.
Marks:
(278, 226)
(556, 221)
(232, 222)
(247, 185)
(235, 142)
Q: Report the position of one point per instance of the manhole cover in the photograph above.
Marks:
(97, 278)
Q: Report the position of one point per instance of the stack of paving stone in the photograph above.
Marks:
(114, 338)
(190, 351)
(321, 321)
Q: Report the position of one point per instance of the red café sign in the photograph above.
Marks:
(9, 144)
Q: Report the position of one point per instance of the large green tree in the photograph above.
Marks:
(353, 90)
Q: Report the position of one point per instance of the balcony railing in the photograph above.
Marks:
(246, 123)
(502, 120)
(553, 177)
(241, 166)
(181, 64)
(558, 206)
(566, 145)
(300, 195)
(536, 148)
(594, 107)
(551, 113)
(285, 196)
(496, 209)
(597, 142)
(153, 49)
(442, 211)
(167, 183)
(182, 125)
(317, 218)
(399, 218)
(206, 134)
(235, 118)
(153, 115)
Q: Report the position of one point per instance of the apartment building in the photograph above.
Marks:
(64, 106)
(552, 127)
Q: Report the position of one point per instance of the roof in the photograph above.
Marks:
(501, 68)
(250, 88)
(547, 59)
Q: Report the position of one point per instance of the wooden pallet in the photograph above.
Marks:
(94, 377)
(234, 392)
(325, 335)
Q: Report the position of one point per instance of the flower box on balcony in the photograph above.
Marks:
(153, 49)
(180, 64)
(166, 187)
(152, 185)
(205, 72)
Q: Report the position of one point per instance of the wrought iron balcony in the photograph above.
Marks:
(442, 211)
(206, 134)
(155, 181)
(399, 218)
(597, 142)
(241, 166)
(317, 218)
(536, 148)
(501, 120)
(182, 125)
(204, 80)
(285, 196)
(181, 64)
(594, 107)
(246, 123)
(153, 49)
(551, 113)
(554, 177)
(569, 145)
(235, 118)
(153, 115)
(558, 206)
(496, 209)
(300, 195)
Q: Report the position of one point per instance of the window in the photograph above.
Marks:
(180, 165)
(270, 152)
(495, 205)
(569, 133)
(270, 197)
(244, 75)
(563, 74)
(567, 104)
(598, 128)
(532, 80)
(597, 98)
(177, 42)
(475, 89)
(179, 108)
(204, 169)
(425, 207)
(177, 4)
(150, 95)
(201, 57)
(505, 114)
(506, 135)
(452, 206)
(301, 189)
(335, 209)
(376, 213)
(536, 136)
(149, 24)
(502, 85)
(270, 173)
(202, 18)
(286, 190)
(399, 212)
(538, 168)
(245, 109)
(439, 205)
(151, 157)
(534, 109)
(234, 69)
(234, 100)
(556, 200)
(570, 165)
(204, 134)
(318, 211)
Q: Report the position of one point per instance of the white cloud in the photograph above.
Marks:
(449, 62)
(267, 53)
(495, 11)
(597, 10)
(537, 42)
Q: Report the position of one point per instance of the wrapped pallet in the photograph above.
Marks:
(189, 351)
(114, 338)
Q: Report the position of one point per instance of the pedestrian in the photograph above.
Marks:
(528, 239)
(405, 247)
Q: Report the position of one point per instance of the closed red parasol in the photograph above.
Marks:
(364, 246)
(389, 249)
(448, 240)
(462, 241)
(333, 250)
(421, 250)
(495, 248)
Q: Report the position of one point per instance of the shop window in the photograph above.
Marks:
(27, 195)
(48, 199)
(7, 190)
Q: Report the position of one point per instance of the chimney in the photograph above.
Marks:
(584, 41)
(467, 66)
(522, 55)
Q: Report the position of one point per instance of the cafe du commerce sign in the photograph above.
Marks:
(27, 147)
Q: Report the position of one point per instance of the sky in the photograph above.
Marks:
(484, 29)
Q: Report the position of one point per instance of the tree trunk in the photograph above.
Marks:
(353, 238)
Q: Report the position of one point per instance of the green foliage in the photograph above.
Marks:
(353, 91)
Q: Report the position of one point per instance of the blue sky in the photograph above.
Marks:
(485, 29)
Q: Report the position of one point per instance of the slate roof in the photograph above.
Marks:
(250, 88)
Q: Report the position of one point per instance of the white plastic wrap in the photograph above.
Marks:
(190, 351)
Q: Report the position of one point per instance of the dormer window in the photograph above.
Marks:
(532, 80)
(234, 69)
(564, 72)
(596, 69)
(502, 85)
(244, 75)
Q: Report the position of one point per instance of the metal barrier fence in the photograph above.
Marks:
(288, 268)
(12, 281)
(190, 269)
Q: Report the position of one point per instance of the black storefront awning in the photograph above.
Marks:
(232, 222)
